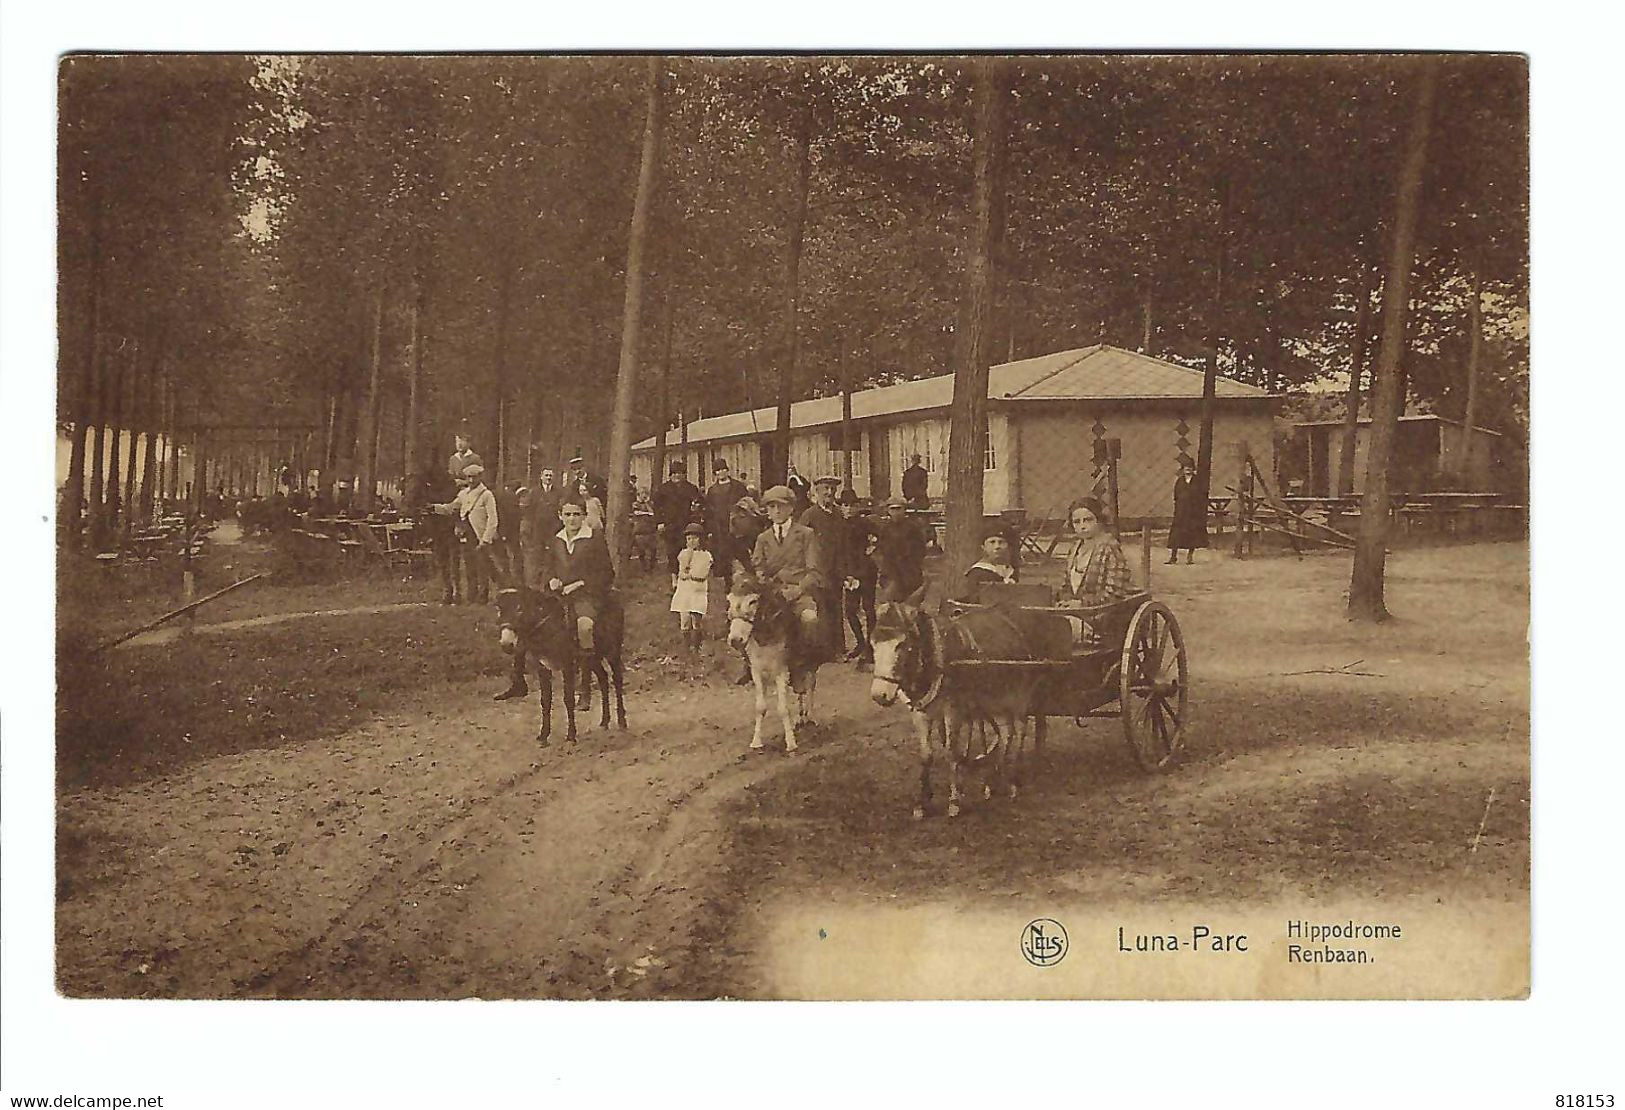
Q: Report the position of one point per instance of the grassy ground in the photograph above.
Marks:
(133, 712)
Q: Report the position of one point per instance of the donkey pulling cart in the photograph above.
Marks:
(1131, 666)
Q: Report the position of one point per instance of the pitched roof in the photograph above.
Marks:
(1407, 417)
(1085, 373)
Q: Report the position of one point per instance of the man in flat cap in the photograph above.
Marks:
(821, 516)
(479, 526)
(721, 496)
(858, 576)
(787, 557)
(676, 503)
(900, 550)
(916, 483)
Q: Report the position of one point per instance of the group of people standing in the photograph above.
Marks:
(819, 550)
(546, 533)
(813, 542)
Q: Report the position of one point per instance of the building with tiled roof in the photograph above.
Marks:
(1045, 417)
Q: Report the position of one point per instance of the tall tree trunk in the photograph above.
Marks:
(367, 434)
(150, 419)
(98, 459)
(115, 470)
(797, 231)
(200, 470)
(72, 522)
(618, 511)
(1370, 551)
(172, 458)
(844, 368)
(1145, 322)
(1210, 375)
(1357, 364)
(968, 423)
(1475, 348)
(493, 446)
(133, 417)
(414, 379)
(657, 472)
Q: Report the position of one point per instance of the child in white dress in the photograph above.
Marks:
(689, 595)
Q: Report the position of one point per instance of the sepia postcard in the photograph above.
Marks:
(793, 527)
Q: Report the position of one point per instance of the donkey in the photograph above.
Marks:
(767, 628)
(536, 624)
(952, 709)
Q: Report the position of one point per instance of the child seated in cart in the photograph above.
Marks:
(995, 564)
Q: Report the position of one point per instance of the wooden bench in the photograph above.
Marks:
(398, 541)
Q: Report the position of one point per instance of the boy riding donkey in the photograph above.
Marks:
(774, 617)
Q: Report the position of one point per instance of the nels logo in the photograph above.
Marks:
(1043, 942)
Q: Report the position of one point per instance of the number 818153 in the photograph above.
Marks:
(1584, 1102)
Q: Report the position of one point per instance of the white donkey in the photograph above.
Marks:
(766, 627)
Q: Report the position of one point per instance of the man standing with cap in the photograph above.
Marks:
(916, 484)
(674, 504)
(473, 514)
(827, 525)
(900, 550)
(480, 521)
(786, 557)
(541, 521)
(579, 474)
(720, 498)
(858, 577)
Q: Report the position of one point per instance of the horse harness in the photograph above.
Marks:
(923, 689)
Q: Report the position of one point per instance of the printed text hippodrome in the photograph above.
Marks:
(1340, 930)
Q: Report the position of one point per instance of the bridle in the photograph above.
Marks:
(923, 700)
(522, 628)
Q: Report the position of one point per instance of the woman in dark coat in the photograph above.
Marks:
(1189, 530)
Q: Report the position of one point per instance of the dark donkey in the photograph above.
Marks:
(536, 624)
(914, 653)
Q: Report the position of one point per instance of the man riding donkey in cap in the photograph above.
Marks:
(786, 558)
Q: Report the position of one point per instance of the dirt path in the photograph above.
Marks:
(439, 853)
(479, 864)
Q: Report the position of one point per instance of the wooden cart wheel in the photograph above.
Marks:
(1153, 686)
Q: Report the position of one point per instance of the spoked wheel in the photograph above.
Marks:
(1153, 686)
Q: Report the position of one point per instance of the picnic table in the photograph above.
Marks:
(935, 522)
(1448, 511)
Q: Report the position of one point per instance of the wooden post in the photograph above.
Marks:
(414, 370)
(1111, 485)
(1244, 474)
(1145, 554)
(188, 580)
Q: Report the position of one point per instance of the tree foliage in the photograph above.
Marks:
(252, 208)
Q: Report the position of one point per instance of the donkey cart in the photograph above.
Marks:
(1131, 665)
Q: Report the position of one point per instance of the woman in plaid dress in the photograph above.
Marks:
(1097, 573)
